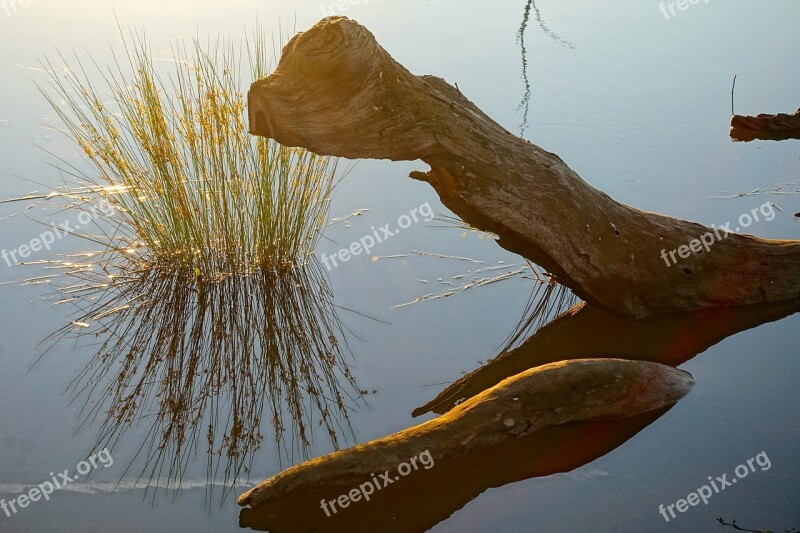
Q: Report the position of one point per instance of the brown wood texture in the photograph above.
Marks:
(337, 92)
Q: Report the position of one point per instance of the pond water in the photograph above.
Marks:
(637, 102)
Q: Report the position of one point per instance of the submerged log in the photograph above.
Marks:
(766, 127)
(428, 496)
(337, 92)
(550, 395)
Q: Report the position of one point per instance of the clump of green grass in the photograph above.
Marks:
(171, 150)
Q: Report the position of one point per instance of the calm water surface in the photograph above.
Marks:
(638, 105)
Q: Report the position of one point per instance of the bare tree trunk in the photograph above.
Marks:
(337, 92)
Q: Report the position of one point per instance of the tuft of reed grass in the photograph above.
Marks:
(170, 149)
(198, 367)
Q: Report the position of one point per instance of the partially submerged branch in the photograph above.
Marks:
(766, 127)
(550, 395)
(428, 496)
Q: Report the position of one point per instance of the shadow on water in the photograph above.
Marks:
(204, 366)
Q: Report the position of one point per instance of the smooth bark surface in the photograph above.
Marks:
(337, 92)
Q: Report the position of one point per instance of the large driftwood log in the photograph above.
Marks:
(550, 395)
(337, 92)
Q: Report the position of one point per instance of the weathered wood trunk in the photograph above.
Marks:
(767, 127)
(337, 92)
(549, 395)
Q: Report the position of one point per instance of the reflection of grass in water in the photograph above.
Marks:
(737, 527)
(194, 189)
(199, 365)
(526, 98)
(548, 300)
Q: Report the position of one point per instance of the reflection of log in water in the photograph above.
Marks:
(204, 364)
(557, 417)
(586, 332)
(337, 92)
(427, 497)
